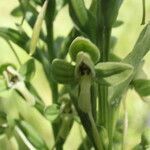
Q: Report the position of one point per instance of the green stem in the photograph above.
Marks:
(95, 132)
(144, 14)
(13, 50)
(49, 28)
(49, 40)
(23, 138)
(50, 44)
(105, 116)
(107, 36)
(125, 125)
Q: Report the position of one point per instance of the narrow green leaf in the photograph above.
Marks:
(18, 37)
(118, 23)
(28, 69)
(84, 20)
(110, 10)
(140, 49)
(37, 28)
(32, 89)
(27, 11)
(78, 12)
(39, 2)
(93, 7)
(140, 73)
(32, 135)
(17, 12)
(142, 87)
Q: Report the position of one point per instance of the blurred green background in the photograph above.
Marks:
(131, 14)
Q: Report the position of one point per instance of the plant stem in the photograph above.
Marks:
(50, 44)
(105, 116)
(96, 136)
(23, 137)
(13, 50)
(49, 40)
(143, 17)
(125, 125)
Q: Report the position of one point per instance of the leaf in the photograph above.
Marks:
(18, 37)
(32, 89)
(17, 12)
(39, 105)
(142, 46)
(63, 72)
(27, 11)
(52, 112)
(110, 10)
(140, 74)
(32, 135)
(118, 23)
(39, 2)
(140, 49)
(93, 7)
(142, 87)
(28, 69)
(37, 28)
(112, 73)
(78, 12)
(84, 21)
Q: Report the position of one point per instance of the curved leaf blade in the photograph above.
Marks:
(37, 28)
